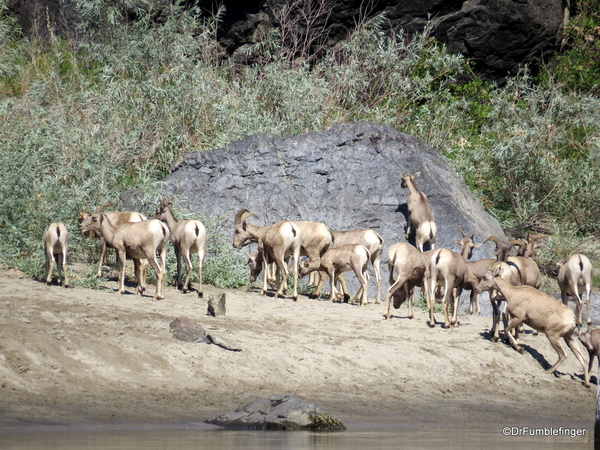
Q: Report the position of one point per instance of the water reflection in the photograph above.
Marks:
(201, 437)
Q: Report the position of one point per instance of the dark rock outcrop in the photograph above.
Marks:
(279, 412)
(347, 177)
(500, 35)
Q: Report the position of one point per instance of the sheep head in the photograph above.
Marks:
(241, 235)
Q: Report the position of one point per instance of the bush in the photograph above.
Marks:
(84, 121)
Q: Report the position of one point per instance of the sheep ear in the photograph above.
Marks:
(497, 271)
(417, 175)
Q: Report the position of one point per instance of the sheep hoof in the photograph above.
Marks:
(520, 350)
(494, 338)
(410, 316)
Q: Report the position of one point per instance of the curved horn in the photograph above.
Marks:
(462, 232)
(242, 215)
(518, 242)
(495, 240)
(100, 208)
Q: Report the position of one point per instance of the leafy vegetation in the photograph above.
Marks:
(83, 121)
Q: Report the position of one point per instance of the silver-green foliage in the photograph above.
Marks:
(84, 121)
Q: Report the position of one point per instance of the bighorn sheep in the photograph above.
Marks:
(117, 218)
(188, 237)
(449, 269)
(315, 237)
(275, 243)
(409, 266)
(591, 340)
(138, 241)
(56, 245)
(520, 271)
(475, 270)
(541, 312)
(372, 241)
(574, 272)
(336, 260)
(420, 217)
(527, 247)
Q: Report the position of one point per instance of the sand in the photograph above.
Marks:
(81, 356)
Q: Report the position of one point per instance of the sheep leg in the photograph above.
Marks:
(430, 300)
(199, 289)
(588, 289)
(361, 294)
(456, 297)
(571, 341)
(281, 266)
(574, 288)
(62, 268)
(188, 268)
(591, 354)
(296, 256)
(138, 275)
(160, 275)
(49, 267)
(375, 262)
(388, 298)
(410, 294)
(143, 274)
(446, 299)
(514, 322)
(101, 257)
(495, 318)
(474, 301)
(178, 258)
(331, 274)
(342, 281)
(322, 276)
(562, 355)
(121, 256)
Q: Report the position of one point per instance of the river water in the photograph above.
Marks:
(204, 437)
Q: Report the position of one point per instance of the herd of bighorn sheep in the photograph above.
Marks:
(300, 248)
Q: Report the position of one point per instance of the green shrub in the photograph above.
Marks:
(84, 121)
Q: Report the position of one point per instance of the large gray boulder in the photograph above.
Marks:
(347, 177)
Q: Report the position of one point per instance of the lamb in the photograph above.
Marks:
(372, 241)
(56, 246)
(117, 218)
(574, 272)
(138, 241)
(188, 237)
(420, 218)
(541, 312)
(591, 340)
(336, 260)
